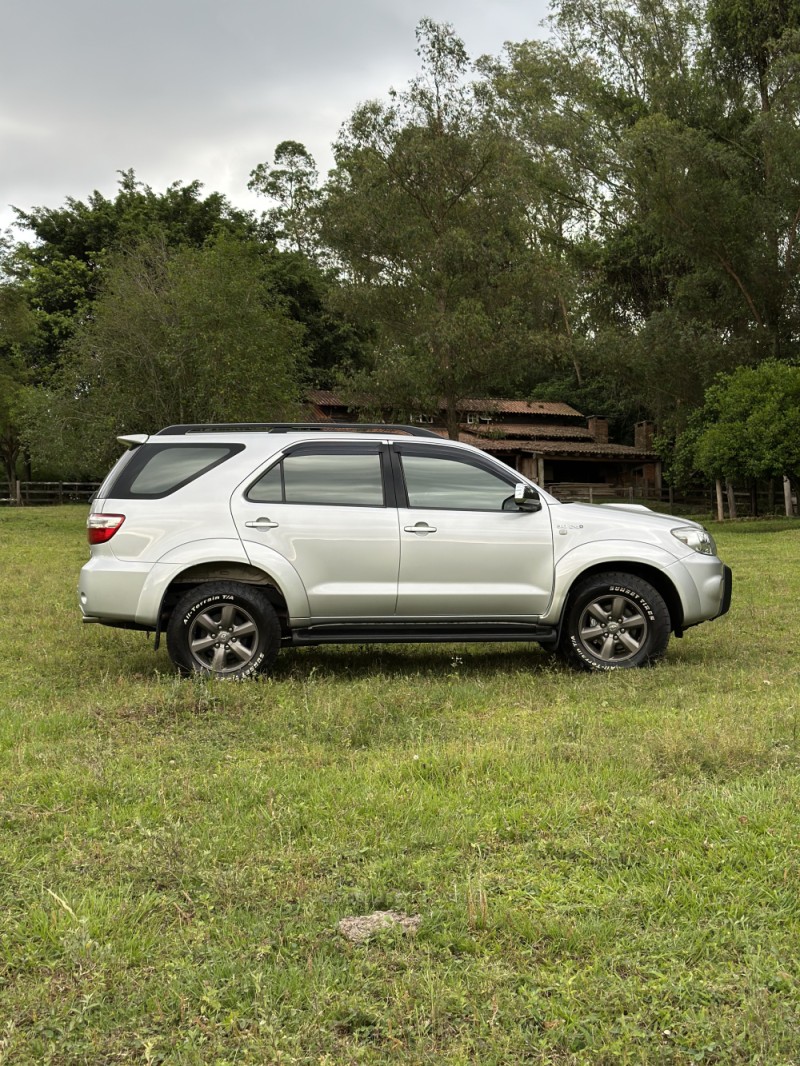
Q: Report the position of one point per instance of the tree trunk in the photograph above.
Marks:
(720, 502)
(787, 496)
(575, 364)
(451, 415)
(731, 499)
(9, 450)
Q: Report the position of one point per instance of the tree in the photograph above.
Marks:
(749, 425)
(676, 121)
(10, 395)
(424, 213)
(55, 278)
(334, 340)
(176, 335)
(58, 272)
(573, 104)
(292, 182)
(17, 328)
(48, 284)
(749, 37)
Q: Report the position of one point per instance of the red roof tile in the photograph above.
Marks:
(530, 431)
(563, 447)
(516, 407)
(324, 397)
(482, 405)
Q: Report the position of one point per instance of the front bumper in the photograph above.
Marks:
(704, 585)
(727, 590)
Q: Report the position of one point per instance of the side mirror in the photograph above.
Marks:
(526, 497)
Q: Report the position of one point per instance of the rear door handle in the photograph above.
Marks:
(421, 528)
(261, 523)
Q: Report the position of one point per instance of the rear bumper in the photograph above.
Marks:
(110, 592)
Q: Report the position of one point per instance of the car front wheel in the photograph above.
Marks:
(223, 629)
(614, 622)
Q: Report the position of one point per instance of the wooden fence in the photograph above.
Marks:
(755, 500)
(36, 493)
(30, 493)
(600, 492)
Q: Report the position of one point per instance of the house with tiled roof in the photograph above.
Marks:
(550, 442)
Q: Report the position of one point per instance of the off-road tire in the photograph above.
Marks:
(223, 629)
(614, 621)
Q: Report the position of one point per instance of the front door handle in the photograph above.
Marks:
(421, 529)
(261, 523)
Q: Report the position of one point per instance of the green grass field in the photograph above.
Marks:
(607, 868)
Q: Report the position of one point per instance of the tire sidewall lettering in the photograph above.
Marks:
(197, 607)
(595, 664)
(636, 597)
(253, 667)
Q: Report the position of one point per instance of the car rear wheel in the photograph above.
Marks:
(614, 622)
(223, 629)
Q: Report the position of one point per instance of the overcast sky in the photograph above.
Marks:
(205, 89)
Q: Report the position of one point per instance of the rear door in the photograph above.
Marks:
(328, 509)
(466, 549)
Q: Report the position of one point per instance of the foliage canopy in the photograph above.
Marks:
(176, 335)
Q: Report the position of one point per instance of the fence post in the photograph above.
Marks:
(18, 493)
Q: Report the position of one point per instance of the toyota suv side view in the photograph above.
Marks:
(236, 540)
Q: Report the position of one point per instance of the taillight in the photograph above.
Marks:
(102, 527)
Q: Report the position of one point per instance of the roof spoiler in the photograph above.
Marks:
(133, 440)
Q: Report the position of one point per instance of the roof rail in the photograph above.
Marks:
(293, 427)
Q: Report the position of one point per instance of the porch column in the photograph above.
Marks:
(525, 466)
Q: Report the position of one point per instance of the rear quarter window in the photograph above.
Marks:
(157, 470)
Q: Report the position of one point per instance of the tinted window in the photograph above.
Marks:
(156, 470)
(269, 488)
(448, 483)
(355, 480)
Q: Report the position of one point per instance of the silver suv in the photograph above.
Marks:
(238, 539)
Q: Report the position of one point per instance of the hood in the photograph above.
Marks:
(626, 514)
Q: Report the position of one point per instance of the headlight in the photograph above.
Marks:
(699, 540)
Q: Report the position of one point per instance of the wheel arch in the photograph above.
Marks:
(219, 561)
(242, 573)
(652, 574)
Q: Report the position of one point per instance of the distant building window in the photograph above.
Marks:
(472, 418)
(426, 419)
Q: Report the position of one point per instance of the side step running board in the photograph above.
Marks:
(423, 633)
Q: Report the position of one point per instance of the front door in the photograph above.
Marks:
(466, 549)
